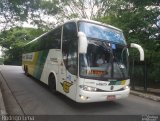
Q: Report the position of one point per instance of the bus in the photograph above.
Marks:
(83, 59)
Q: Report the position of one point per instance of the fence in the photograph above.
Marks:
(144, 74)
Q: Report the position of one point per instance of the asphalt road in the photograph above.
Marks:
(25, 95)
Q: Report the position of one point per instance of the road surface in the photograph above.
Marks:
(25, 95)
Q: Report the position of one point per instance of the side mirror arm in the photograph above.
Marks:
(141, 51)
(83, 43)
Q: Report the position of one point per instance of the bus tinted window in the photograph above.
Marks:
(33, 46)
(69, 31)
(70, 47)
(54, 39)
(51, 40)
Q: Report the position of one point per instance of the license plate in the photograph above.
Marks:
(111, 97)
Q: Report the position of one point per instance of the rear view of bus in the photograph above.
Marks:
(103, 63)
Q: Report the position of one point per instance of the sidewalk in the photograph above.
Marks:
(152, 94)
(7, 99)
(2, 106)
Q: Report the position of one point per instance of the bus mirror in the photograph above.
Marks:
(141, 51)
(83, 43)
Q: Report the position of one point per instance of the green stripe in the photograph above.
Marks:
(40, 63)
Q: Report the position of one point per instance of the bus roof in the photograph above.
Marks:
(36, 38)
(76, 20)
(92, 21)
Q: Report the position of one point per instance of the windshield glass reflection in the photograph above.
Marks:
(107, 55)
(102, 32)
(103, 62)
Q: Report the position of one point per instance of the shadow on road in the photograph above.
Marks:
(82, 107)
(91, 107)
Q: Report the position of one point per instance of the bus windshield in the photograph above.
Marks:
(106, 57)
(102, 32)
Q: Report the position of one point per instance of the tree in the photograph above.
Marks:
(13, 40)
(89, 9)
(48, 13)
(36, 12)
(140, 22)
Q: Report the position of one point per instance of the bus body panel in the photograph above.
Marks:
(111, 85)
(51, 62)
(98, 96)
(51, 66)
(70, 85)
(34, 62)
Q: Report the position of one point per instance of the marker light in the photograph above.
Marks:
(83, 97)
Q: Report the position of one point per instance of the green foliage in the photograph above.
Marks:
(139, 21)
(19, 11)
(1, 61)
(13, 41)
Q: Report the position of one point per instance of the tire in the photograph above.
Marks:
(26, 71)
(52, 83)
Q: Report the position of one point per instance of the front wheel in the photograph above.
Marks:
(52, 83)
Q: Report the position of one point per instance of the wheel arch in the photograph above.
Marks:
(55, 76)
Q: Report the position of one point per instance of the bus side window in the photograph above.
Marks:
(70, 47)
(57, 38)
(34, 46)
(54, 39)
(42, 42)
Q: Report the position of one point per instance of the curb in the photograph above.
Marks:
(2, 106)
(146, 95)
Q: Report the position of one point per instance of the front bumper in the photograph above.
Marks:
(87, 96)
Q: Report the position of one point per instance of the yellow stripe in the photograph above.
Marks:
(123, 82)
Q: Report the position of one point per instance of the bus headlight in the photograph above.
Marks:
(88, 88)
(126, 87)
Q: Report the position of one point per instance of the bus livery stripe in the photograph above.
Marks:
(40, 63)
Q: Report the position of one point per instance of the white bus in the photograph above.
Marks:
(83, 59)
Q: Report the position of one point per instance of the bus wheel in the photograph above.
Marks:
(52, 83)
(26, 71)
